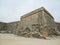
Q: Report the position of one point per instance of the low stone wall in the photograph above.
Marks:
(3, 27)
(58, 26)
(12, 27)
(9, 27)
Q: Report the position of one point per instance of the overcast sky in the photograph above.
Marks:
(12, 10)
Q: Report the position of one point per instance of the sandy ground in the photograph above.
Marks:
(10, 39)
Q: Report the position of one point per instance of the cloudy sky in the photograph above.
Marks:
(12, 10)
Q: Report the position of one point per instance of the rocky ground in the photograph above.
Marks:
(11, 39)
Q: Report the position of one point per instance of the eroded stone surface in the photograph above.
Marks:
(38, 23)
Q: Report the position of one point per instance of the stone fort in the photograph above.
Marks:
(38, 23)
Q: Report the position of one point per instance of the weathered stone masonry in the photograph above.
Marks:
(3, 26)
(9, 27)
(38, 23)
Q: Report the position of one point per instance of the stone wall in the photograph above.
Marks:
(38, 23)
(48, 24)
(3, 27)
(12, 27)
(9, 27)
(58, 26)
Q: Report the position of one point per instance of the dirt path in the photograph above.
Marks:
(10, 39)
